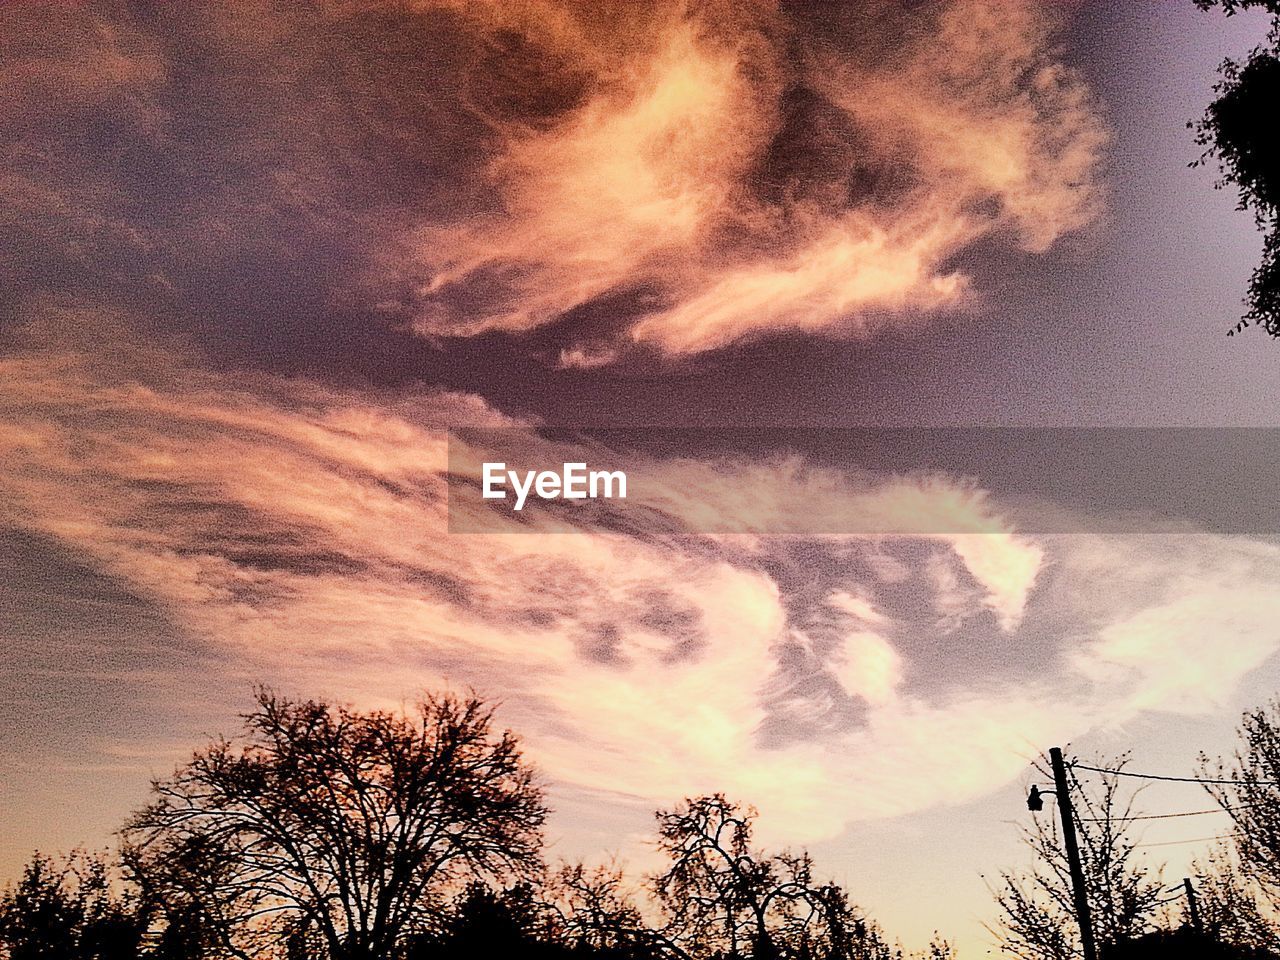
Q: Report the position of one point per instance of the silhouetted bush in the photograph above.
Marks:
(68, 911)
(1184, 944)
(508, 923)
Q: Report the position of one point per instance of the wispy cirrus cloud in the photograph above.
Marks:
(311, 187)
(300, 533)
(741, 174)
(669, 179)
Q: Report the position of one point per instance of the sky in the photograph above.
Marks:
(258, 261)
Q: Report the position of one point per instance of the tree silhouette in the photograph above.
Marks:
(1232, 906)
(487, 923)
(1037, 914)
(593, 909)
(65, 911)
(323, 833)
(1182, 944)
(515, 922)
(723, 898)
(1252, 798)
(328, 825)
(1239, 130)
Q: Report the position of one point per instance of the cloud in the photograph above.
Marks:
(300, 533)
(661, 178)
(741, 174)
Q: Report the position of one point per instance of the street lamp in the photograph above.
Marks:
(1035, 803)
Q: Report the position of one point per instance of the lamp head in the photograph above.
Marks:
(1035, 802)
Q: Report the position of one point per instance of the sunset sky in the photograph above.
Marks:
(257, 259)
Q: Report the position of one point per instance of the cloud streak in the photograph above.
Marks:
(740, 175)
(300, 533)
(620, 181)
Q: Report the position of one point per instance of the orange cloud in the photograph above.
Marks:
(737, 173)
(666, 178)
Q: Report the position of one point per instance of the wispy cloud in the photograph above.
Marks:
(738, 174)
(300, 531)
(667, 177)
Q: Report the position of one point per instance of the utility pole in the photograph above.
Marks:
(1192, 907)
(1073, 853)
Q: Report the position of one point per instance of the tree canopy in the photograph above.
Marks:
(68, 911)
(335, 824)
(326, 833)
(1239, 131)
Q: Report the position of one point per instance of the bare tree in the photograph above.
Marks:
(594, 909)
(1233, 907)
(1037, 914)
(1252, 797)
(1240, 884)
(348, 828)
(723, 898)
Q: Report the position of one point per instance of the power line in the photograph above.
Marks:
(1174, 843)
(1158, 816)
(1158, 776)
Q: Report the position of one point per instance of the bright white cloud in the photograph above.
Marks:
(301, 532)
